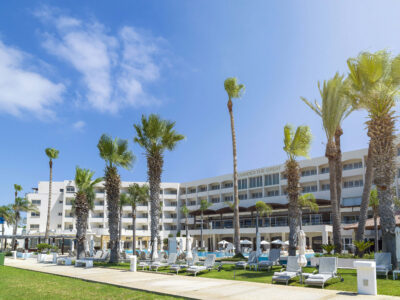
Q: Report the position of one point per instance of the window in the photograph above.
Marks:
(202, 189)
(324, 170)
(60, 201)
(58, 226)
(100, 226)
(36, 202)
(255, 181)
(242, 196)
(192, 202)
(61, 190)
(60, 213)
(351, 201)
(348, 244)
(215, 200)
(309, 189)
(273, 193)
(308, 172)
(70, 189)
(256, 195)
(173, 216)
(228, 198)
(325, 186)
(271, 179)
(215, 187)
(34, 226)
(242, 183)
(192, 190)
(353, 183)
(350, 166)
(398, 151)
(35, 214)
(228, 185)
(70, 227)
(349, 219)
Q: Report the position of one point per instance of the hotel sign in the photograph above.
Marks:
(259, 172)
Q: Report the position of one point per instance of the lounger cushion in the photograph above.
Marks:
(285, 274)
(196, 269)
(318, 278)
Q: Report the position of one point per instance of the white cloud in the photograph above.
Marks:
(22, 89)
(114, 68)
(79, 125)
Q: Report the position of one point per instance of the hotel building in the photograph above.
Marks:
(267, 184)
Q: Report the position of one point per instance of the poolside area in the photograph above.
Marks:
(187, 286)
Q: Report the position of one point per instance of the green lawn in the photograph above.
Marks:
(385, 287)
(22, 284)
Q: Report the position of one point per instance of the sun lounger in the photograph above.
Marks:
(252, 260)
(191, 262)
(292, 270)
(273, 260)
(383, 263)
(171, 260)
(327, 270)
(208, 265)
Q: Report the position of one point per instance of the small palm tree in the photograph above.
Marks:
(20, 205)
(375, 84)
(307, 201)
(335, 107)
(185, 211)
(136, 195)
(116, 154)
(51, 154)
(262, 209)
(83, 203)
(234, 90)
(7, 215)
(296, 143)
(204, 205)
(17, 188)
(155, 135)
(374, 204)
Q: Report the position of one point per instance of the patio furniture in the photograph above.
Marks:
(327, 270)
(273, 260)
(158, 264)
(208, 265)
(292, 270)
(84, 263)
(251, 261)
(190, 262)
(395, 273)
(383, 263)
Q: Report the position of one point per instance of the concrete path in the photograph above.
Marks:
(187, 286)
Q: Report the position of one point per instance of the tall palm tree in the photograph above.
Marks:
(307, 201)
(17, 188)
(20, 205)
(374, 204)
(185, 211)
(51, 154)
(296, 143)
(204, 205)
(116, 154)
(375, 84)
(84, 201)
(7, 216)
(262, 209)
(155, 135)
(234, 90)
(335, 107)
(123, 201)
(136, 195)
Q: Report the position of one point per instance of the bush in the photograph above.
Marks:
(170, 235)
(43, 247)
(362, 246)
(239, 256)
(8, 253)
(178, 234)
(328, 248)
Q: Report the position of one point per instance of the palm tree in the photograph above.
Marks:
(51, 154)
(307, 201)
(155, 135)
(84, 201)
(231, 205)
(234, 90)
(20, 205)
(374, 204)
(375, 84)
(136, 195)
(295, 144)
(185, 211)
(262, 209)
(335, 107)
(204, 205)
(17, 188)
(7, 216)
(116, 154)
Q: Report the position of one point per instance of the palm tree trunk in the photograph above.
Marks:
(82, 214)
(293, 189)
(235, 183)
(376, 233)
(120, 229)
(365, 195)
(337, 236)
(134, 230)
(2, 233)
(154, 168)
(46, 235)
(187, 233)
(201, 231)
(112, 186)
(13, 245)
(339, 167)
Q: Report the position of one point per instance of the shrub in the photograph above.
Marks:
(178, 234)
(239, 256)
(43, 247)
(362, 246)
(328, 248)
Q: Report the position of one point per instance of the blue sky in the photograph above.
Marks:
(69, 73)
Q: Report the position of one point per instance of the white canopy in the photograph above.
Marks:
(223, 242)
(277, 242)
(245, 242)
(264, 243)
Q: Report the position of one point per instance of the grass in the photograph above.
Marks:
(385, 286)
(24, 284)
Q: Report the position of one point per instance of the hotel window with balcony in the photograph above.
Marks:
(271, 179)
(242, 184)
(353, 183)
(309, 172)
(273, 193)
(228, 185)
(35, 214)
(215, 200)
(215, 187)
(246, 223)
(70, 227)
(325, 186)
(228, 198)
(203, 189)
(310, 189)
(70, 189)
(34, 226)
(351, 201)
(228, 224)
(351, 166)
(59, 226)
(61, 190)
(349, 219)
(60, 213)
(36, 202)
(192, 191)
(256, 195)
(192, 202)
(242, 196)
(255, 181)
(324, 170)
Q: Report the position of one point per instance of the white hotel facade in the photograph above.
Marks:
(267, 184)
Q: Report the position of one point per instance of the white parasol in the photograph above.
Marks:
(245, 242)
(301, 259)
(189, 254)
(264, 243)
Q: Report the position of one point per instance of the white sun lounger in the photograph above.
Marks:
(383, 263)
(251, 261)
(327, 270)
(208, 265)
(157, 264)
(273, 259)
(292, 270)
(191, 262)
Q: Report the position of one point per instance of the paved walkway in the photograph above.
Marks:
(187, 286)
